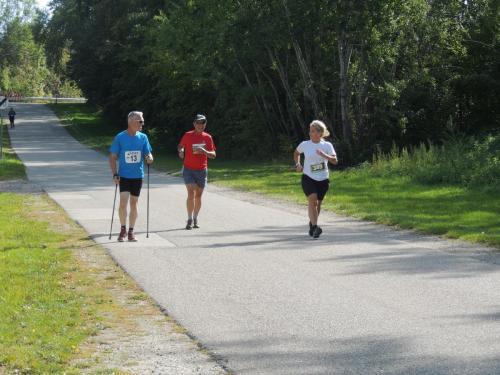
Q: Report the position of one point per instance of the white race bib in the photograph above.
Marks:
(197, 146)
(132, 157)
(315, 168)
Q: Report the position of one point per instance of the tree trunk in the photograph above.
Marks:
(345, 51)
(305, 72)
(309, 91)
(261, 108)
(294, 105)
(290, 131)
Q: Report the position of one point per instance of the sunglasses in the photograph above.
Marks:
(141, 121)
(200, 122)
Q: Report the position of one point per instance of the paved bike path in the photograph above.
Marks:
(258, 292)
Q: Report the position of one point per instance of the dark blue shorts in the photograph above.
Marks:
(193, 176)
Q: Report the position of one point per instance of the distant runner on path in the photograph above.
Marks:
(315, 183)
(12, 117)
(195, 148)
(130, 148)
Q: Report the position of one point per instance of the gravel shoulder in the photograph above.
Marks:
(19, 186)
(135, 336)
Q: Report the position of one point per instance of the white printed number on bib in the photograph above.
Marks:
(132, 157)
(315, 168)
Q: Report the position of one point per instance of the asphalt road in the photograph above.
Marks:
(260, 294)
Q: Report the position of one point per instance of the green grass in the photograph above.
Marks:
(10, 166)
(450, 210)
(460, 160)
(42, 316)
(85, 123)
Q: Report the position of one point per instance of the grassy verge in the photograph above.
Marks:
(45, 309)
(65, 306)
(10, 166)
(51, 301)
(85, 123)
(42, 319)
(43, 315)
(451, 210)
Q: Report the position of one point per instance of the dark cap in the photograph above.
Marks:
(200, 118)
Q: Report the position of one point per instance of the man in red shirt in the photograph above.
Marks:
(195, 148)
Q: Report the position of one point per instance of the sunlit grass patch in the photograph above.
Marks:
(42, 318)
(10, 166)
(85, 123)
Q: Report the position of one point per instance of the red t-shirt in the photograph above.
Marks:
(190, 141)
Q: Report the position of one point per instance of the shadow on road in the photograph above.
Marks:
(357, 355)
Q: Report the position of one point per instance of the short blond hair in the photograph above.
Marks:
(320, 127)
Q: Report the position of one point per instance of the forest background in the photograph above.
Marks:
(388, 74)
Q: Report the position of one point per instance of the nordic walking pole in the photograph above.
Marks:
(147, 214)
(113, 214)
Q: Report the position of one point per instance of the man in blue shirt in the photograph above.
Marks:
(130, 148)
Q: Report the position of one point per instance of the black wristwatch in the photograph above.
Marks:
(116, 175)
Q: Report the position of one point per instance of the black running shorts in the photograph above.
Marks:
(132, 185)
(311, 186)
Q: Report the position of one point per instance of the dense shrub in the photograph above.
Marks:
(465, 161)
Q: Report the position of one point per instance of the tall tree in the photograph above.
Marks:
(378, 72)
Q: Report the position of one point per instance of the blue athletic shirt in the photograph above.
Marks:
(131, 151)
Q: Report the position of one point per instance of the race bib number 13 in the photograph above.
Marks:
(132, 157)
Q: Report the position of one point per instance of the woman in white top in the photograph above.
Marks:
(315, 183)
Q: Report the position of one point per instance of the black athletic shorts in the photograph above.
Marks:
(310, 186)
(132, 185)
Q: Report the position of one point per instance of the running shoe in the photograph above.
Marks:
(131, 237)
(195, 223)
(311, 229)
(122, 235)
(317, 232)
(189, 224)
